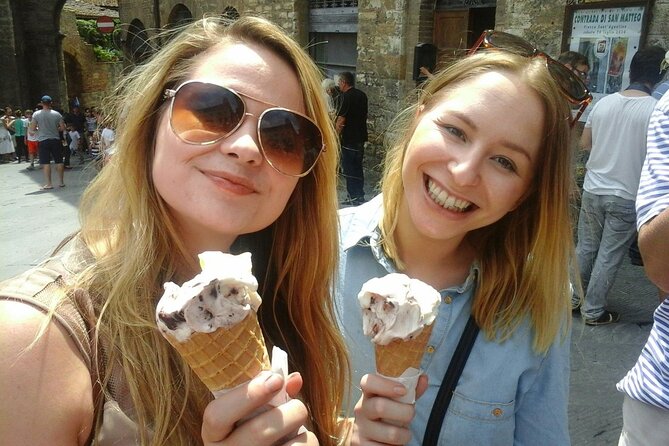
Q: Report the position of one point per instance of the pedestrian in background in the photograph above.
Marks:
(615, 135)
(6, 138)
(577, 63)
(31, 140)
(18, 125)
(49, 125)
(646, 386)
(331, 94)
(351, 124)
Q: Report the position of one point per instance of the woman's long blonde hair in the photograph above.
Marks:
(137, 248)
(525, 256)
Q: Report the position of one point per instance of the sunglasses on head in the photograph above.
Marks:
(202, 113)
(570, 84)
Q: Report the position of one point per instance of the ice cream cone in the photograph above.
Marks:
(226, 357)
(395, 357)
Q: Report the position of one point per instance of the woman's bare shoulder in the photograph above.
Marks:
(47, 390)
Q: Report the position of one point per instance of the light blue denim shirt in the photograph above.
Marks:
(507, 394)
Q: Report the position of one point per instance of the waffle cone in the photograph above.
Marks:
(397, 356)
(227, 357)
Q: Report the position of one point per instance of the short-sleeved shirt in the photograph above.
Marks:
(48, 122)
(619, 124)
(353, 107)
(648, 380)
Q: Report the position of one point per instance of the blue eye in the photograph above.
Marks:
(505, 163)
(455, 132)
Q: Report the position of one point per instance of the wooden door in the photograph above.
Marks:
(451, 30)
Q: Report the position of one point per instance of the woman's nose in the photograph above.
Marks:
(243, 143)
(466, 170)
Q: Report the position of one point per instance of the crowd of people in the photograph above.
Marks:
(48, 135)
(475, 201)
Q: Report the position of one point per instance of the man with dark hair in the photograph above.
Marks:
(576, 62)
(615, 135)
(48, 124)
(351, 125)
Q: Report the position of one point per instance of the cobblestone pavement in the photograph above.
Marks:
(32, 222)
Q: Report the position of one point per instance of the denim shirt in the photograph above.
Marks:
(507, 394)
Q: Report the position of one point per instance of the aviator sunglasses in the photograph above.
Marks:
(202, 113)
(570, 84)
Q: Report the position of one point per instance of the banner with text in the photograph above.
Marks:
(609, 38)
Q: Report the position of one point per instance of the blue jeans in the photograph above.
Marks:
(606, 227)
(351, 164)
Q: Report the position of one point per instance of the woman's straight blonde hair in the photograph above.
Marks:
(137, 248)
(525, 256)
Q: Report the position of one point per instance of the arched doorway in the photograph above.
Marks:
(230, 13)
(179, 16)
(137, 47)
(73, 78)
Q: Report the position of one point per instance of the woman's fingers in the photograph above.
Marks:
(373, 384)
(378, 416)
(221, 414)
(304, 439)
(293, 384)
(421, 387)
(276, 425)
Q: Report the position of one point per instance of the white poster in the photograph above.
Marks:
(609, 38)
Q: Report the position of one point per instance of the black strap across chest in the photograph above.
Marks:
(443, 399)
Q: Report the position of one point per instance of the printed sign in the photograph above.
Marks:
(609, 38)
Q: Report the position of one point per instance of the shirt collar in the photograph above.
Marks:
(362, 229)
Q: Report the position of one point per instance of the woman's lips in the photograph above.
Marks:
(229, 182)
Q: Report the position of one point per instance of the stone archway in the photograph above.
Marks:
(74, 77)
(137, 46)
(179, 16)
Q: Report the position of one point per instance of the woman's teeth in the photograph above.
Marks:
(446, 201)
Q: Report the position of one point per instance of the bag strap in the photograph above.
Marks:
(449, 382)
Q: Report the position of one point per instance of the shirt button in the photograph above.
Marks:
(448, 299)
(497, 412)
(430, 349)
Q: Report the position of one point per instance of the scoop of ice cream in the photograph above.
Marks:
(222, 295)
(396, 307)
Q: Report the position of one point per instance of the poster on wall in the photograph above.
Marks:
(608, 34)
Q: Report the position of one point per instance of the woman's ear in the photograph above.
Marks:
(420, 109)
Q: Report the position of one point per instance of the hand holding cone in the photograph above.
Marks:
(398, 313)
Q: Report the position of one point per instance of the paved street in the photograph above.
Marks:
(32, 222)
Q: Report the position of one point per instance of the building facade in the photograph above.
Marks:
(382, 41)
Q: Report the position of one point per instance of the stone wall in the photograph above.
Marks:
(291, 15)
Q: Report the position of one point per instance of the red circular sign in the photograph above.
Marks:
(105, 24)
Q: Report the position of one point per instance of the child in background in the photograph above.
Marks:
(75, 143)
(31, 140)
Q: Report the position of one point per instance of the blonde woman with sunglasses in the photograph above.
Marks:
(475, 202)
(210, 155)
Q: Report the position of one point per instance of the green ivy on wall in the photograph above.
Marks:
(103, 43)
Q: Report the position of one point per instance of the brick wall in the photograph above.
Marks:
(92, 80)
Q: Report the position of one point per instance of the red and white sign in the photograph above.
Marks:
(105, 24)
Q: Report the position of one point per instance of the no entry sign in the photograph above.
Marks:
(105, 24)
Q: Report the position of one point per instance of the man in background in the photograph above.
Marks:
(49, 123)
(577, 63)
(615, 135)
(351, 124)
